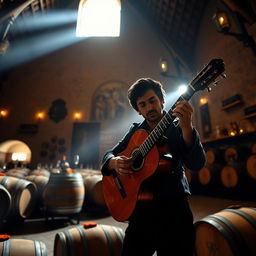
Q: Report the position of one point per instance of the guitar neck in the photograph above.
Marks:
(205, 77)
(163, 124)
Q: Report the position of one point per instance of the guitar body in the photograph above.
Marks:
(121, 207)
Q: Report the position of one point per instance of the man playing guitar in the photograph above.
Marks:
(162, 220)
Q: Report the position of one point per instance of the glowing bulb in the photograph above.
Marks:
(203, 100)
(40, 115)
(77, 115)
(3, 113)
(221, 20)
(232, 133)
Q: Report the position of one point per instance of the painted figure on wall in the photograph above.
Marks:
(109, 102)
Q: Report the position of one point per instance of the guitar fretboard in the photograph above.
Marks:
(162, 126)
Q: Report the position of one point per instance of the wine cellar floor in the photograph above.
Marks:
(39, 229)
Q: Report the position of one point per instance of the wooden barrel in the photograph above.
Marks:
(96, 241)
(64, 193)
(190, 175)
(42, 172)
(251, 166)
(214, 155)
(236, 154)
(209, 175)
(40, 183)
(227, 233)
(253, 148)
(94, 199)
(232, 175)
(6, 200)
(22, 247)
(88, 172)
(18, 172)
(23, 196)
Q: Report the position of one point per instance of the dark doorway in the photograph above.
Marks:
(85, 143)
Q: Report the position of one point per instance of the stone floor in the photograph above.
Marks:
(39, 229)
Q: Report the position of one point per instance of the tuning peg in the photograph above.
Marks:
(208, 89)
(224, 76)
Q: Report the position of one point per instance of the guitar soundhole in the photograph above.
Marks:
(138, 160)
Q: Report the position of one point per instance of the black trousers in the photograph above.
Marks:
(162, 226)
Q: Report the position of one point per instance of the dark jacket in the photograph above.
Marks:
(173, 183)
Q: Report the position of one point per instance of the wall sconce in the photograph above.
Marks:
(3, 113)
(203, 101)
(223, 25)
(77, 116)
(40, 116)
(163, 65)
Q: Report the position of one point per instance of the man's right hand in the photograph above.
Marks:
(121, 164)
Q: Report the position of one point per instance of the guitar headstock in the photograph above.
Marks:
(208, 75)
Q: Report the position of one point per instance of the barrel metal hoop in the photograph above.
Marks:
(37, 248)
(239, 240)
(43, 249)
(70, 243)
(7, 248)
(118, 232)
(84, 239)
(63, 243)
(111, 247)
(4, 181)
(244, 215)
(223, 231)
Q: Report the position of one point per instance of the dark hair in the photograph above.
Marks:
(141, 86)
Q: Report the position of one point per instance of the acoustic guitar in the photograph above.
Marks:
(122, 192)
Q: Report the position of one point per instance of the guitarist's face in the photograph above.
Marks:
(150, 106)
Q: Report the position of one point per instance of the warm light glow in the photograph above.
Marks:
(40, 115)
(221, 20)
(77, 115)
(203, 100)
(241, 130)
(163, 65)
(19, 156)
(232, 133)
(182, 89)
(3, 113)
(98, 18)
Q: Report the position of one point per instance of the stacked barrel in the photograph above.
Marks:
(230, 170)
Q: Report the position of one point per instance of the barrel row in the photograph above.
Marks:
(59, 193)
(231, 231)
(88, 239)
(230, 175)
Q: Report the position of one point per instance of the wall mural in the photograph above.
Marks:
(109, 101)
